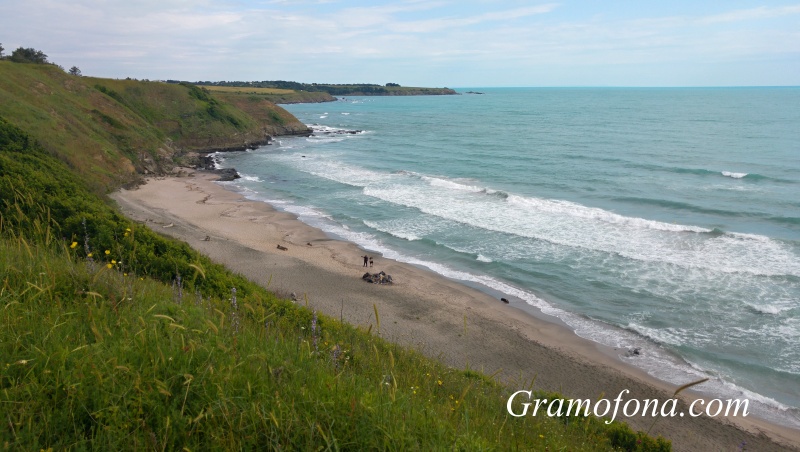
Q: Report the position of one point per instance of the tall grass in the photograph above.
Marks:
(92, 357)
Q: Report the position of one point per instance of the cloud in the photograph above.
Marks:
(761, 12)
(433, 25)
(315, 40)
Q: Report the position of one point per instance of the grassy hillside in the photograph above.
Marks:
(274, 95)
(112, 130)
(115, 338)
(261, 106)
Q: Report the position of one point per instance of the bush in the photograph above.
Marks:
(28, 55)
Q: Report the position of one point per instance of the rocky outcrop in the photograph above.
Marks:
(209, 163)
(319, 131)
(227, 174)
(377, 278)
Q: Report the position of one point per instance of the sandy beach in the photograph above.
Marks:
(461, 326)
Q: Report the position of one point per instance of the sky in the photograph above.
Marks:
(436, 43)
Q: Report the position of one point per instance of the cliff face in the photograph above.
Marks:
(113, 131)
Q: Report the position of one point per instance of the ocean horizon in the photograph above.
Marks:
(660, 219)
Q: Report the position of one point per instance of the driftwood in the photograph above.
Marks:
(282, 248)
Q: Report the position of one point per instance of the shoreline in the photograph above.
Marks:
(445, 319)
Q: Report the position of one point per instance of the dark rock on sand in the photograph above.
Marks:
(377, 278)
(227, 174)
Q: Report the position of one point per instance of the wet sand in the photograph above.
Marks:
(421, 309)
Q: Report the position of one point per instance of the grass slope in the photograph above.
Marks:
(274, 95)
(112, 130)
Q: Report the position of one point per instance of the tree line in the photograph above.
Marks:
(32, 56)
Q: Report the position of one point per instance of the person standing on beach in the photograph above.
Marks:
(366, 260)
(370, 262)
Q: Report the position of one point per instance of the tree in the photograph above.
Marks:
(75, 71)
(1, 49)
(29, 55)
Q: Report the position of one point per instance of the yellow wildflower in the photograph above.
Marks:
(113, 262)
(74, 244)
(108, 252)
(109, 265)
(89, 255)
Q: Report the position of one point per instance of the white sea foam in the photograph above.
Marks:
(341, 172)
(483, 258)
(452, 185)
(560, 207)
(772, 309)
(217, 158)
(326, 139)
(567, 223)
(572, 225)
(734, 175)
(403, 230)
(668, 336)
(250, 178)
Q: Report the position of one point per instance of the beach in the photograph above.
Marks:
(461, 326)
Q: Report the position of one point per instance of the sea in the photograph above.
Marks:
(660, 219)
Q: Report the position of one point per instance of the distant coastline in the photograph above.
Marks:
(353, 89)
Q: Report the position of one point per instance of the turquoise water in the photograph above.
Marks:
(664, 219)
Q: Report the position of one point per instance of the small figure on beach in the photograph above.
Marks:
(370, 262)
(366, 260)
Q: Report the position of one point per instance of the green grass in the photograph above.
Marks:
(248, 90)
(95, 358)
(110, 131)
(273, 95)
(102, 346)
